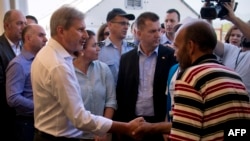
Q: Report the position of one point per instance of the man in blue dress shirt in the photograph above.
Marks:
(18, 83)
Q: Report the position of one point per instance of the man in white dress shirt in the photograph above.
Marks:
(59, 111)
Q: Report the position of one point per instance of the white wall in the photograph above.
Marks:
(4, 7)
(97, 15)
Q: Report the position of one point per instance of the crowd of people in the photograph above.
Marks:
(78, 85)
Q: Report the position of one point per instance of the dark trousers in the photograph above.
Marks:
(41, 136)
(155, 137)
(25, 128)
(8, 128)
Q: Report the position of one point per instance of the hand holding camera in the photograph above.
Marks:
(217, 9)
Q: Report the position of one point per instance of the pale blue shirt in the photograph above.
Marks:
(97, 90)
(147, 64)
(239, 61)
(58, 105)
(164, 40)
(18, 84)
(110, 55)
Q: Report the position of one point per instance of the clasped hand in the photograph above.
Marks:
(138, 128)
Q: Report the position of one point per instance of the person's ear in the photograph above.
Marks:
(138, 33)
(191, 47)
(60, 29)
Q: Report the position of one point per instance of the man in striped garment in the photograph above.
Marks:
(210, 99)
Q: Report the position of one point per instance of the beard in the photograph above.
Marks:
(184, 60)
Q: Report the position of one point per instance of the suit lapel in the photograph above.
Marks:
(161, 61)
(7, 48)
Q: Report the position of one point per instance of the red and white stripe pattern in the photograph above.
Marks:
(207, 96)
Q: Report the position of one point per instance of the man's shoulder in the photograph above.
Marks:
(166, 50)
(3, 40)
(16, 62)
(130, 44)
(101, 44)
(130, 55)
(166, 47)
(228, 46)
(2, 37)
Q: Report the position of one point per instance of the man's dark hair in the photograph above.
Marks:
(32, 18)
(140, 21)
(162, 25)
(175, 11)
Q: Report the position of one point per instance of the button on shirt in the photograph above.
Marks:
(18, 84)
(58, 106)
(147, 64)
(110, 55)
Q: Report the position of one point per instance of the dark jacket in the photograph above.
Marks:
(6, 55)
(128, 83)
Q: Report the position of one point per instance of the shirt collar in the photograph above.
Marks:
(59, 48)
(12, 44)
(27, 55)
(108, 42)
(207, 58)
(139, 50)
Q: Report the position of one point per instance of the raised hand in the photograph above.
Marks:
(230, 7)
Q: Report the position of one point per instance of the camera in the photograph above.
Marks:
(214, 9)
(245, 43)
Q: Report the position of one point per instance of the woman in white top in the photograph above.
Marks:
(234, 36)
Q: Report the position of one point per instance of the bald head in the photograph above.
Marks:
(201, 33)
(14, 22)
(193, 40)
(11, 14)
(28, 30)
(34, 37)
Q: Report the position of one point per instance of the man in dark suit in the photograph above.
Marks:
(10, 46)
(143, 76)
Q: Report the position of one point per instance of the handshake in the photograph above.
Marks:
(138, 128)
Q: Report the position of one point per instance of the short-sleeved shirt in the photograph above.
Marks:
(165, 40)
(110, 54)
(239, 61)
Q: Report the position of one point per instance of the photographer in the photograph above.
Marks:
(230, 16)
(233, 57)
(243, 26)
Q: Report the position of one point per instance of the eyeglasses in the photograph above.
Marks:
(106, 33)
(122, 23)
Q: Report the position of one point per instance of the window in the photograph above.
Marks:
(133, 4)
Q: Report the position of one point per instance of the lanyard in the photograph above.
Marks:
(237, 61)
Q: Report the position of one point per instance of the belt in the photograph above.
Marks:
(30, 118)
(53, 138)
(151, 119)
